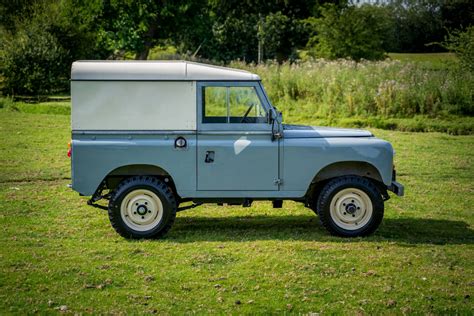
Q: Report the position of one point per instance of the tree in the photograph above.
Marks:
(417, 24)
(37, 51)
(237, 27)
(138, 25)
(349, 32)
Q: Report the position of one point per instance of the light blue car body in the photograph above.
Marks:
(267, 160)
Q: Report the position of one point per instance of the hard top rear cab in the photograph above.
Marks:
(178, 131)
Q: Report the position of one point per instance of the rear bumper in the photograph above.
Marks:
(397, 188)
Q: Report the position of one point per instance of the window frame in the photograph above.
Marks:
(200, 85)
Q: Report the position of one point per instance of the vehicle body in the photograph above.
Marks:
(170, 132)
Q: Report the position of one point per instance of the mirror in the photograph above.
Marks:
(279, 117)
(269, 116)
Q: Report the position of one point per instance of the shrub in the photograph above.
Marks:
(462, 44)
(32, 62)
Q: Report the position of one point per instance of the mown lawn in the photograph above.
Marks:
(56, 251)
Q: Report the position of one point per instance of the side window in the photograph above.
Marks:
(245, 106)
(215, 104)
(232, 105)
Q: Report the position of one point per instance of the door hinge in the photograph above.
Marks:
(278, 182)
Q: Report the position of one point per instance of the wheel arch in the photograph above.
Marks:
(114, 177)
(343, 168)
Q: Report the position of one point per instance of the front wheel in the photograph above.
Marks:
(142, 207)
(350, 206)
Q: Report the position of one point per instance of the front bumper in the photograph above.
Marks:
(397, 188)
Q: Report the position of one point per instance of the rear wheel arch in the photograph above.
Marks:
(117, 175)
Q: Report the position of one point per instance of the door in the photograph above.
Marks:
(235, 147)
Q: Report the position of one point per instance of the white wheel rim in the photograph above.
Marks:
(351, 209)
(141, 210)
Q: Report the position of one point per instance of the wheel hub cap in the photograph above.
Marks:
(351, 208)
(141, 210)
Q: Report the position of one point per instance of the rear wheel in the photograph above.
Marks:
(142, 207)
(350, 206)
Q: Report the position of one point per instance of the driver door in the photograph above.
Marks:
(235, 148)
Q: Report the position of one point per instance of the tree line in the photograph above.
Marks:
(40, 39)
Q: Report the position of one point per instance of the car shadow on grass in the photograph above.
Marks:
(307, 228)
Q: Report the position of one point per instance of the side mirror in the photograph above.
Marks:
(279, 117)
(270, 116)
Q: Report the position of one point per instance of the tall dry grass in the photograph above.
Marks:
(344, 88)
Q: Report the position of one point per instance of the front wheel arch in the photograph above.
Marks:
(340, 169)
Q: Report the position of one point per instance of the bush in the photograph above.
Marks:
(32, 62)
(462, 44)
(37, 51)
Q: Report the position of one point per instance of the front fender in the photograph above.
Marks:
(304, 158)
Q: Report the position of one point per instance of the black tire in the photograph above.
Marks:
(335, 192)
(144, 184)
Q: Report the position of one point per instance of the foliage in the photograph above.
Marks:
(6, 102)
(237, 27)
(56, 250)
(32, 62)
(416, 24)
(37, 52)
(137, 26)
(350, 32)
(344, 88)
(217, 31)
(462, 43)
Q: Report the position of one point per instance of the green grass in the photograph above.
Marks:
(437, 58)
(56, 107)
(55, 250)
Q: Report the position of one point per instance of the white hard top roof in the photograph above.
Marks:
(155, 70)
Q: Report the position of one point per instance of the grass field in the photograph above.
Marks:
(57, 253)
(389, 88)
(438, 60)
(304, 114)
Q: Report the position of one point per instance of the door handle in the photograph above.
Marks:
(209, 157)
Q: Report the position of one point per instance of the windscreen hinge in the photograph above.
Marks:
(278, 181)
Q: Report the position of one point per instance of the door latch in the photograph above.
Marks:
(278, 182)
(209, 157)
